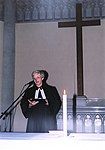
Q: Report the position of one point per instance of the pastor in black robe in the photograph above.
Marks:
(41, 117)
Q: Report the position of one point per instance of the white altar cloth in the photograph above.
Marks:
(49, 141)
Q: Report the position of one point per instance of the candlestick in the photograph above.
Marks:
(65, 113)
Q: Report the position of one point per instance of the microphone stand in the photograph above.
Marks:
(9, 110)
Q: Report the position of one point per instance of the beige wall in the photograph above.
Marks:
(94, 63)
(44, 46)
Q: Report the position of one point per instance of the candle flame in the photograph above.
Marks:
(64, 92)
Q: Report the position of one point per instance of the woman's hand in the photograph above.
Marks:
(46, 102)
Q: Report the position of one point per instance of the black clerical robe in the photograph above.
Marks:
(41, 117)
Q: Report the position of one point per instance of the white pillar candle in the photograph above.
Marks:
(65, 112)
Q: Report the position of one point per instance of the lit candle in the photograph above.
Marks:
(65, 112)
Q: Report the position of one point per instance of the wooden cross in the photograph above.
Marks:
(78, 24)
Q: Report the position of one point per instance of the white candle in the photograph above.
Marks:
(65, 113)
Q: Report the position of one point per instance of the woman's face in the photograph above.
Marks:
(37, 79)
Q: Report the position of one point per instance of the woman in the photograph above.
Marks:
(40, 104)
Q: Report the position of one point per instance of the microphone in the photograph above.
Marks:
(29, 83)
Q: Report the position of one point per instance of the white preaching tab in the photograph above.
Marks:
(42, 93)
(65, 113)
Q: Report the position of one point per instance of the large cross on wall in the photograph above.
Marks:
(79, 23)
